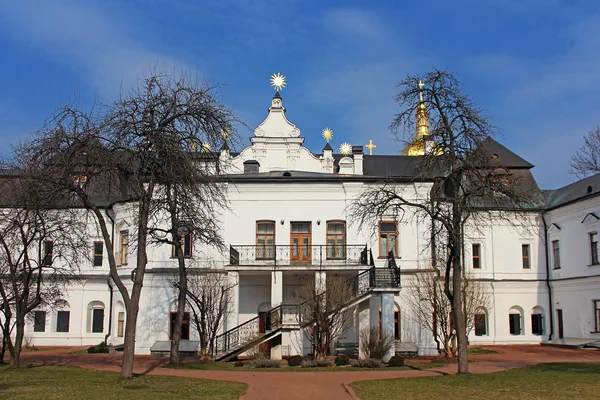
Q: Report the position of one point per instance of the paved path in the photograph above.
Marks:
(269, 385)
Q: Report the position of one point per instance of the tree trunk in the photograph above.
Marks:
(174, 358)
(458, 313)
(16, 347)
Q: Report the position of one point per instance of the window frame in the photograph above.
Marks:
(477, 256)
(186, 322)
(94, 311)
(396, 233)
(483, 326)
(526, 259)
(37, 326)
(556, 254)
(63, 312)
(186, 242)
(541, 324)
(265, 236)
(48, 253)
(520, 324)
(336, 237)
(123, 245)
(120, 324)
(594, 256)
(596, 305)
(98, 256)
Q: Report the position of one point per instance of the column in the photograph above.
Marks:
(362, 323)
(233, 312)
(276, 300)
(320, 281)
(387, 320)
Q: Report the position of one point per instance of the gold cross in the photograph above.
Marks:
(371, 146)
(420, 84)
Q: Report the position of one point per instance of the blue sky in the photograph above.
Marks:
(533, 65)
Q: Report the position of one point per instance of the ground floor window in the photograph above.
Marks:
(597, 315)
(514, 324)
(120, 324)
(537, 326)
(185, 326)
(39, 321)
(480, 324)
(62, 321)
(97, 320)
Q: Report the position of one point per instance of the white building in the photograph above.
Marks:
(288, 224)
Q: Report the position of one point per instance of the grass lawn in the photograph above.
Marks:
(544, 381)
(46, 382)
(481, 350)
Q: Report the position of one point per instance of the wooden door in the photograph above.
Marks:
(300, 243)
(559, 317)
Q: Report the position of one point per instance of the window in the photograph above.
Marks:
(97, 320)
(480, 324)
(514, 323)
(594, 247)
(265, 240)
(62, 321)
(48, 253)
(525, 256)
(388, 238)
(123, 247)
(39, 321)
(556, 254)
(121, 324)
(98, 253)
(537, 324)
(476, 256)
(185, 326)
(185, 241)
(597, 315)
(336, 240)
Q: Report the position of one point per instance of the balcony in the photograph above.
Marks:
(301, 255)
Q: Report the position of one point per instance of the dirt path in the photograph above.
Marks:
(314, 385)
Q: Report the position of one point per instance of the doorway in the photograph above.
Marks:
(300, 243)
(559, 317)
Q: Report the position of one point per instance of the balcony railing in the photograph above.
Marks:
(283, 255)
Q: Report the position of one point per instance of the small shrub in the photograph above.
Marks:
(239, 364)
(92, 350)
(396, 361)
(264, 363)
(99, 348)
(294, 361)
(341, 360)
(316, 363)
(368, 363)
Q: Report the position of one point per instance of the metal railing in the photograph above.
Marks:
(284, 255)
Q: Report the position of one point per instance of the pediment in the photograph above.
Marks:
(554, 228)
(590, 218)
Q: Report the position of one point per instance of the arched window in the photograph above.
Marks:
(62, 317)
(96, 317)
(185, 324)
(480, 322)
(537, 321)
(515, 320)
(120, 313)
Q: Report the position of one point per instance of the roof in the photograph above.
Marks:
(506, 157)
(580, 190)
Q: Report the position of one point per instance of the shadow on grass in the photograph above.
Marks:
(580, 367)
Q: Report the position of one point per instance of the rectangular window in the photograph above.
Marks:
(185, 326)
(514, 324)
(336, 240)
(556, 254)
(98, 253)
(121, 324)
(39, 321)
(388, 238)
(476, 256)
(62, 321)
(480, 325)
(123, 247)
(525, 256)
(185, 240)
(594, 247)
(537, 324)
(97, 320)
(597, 315)
(48, 253)
(265, 240)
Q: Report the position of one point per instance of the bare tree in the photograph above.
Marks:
(375, 344)
(431, 309)
(40, 248)
(587, 160)
(323, 312)
(209, 296)
(459, 179)
(125, 151)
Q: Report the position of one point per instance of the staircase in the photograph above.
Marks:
(270, 324)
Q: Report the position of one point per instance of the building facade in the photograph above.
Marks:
(288, 223)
